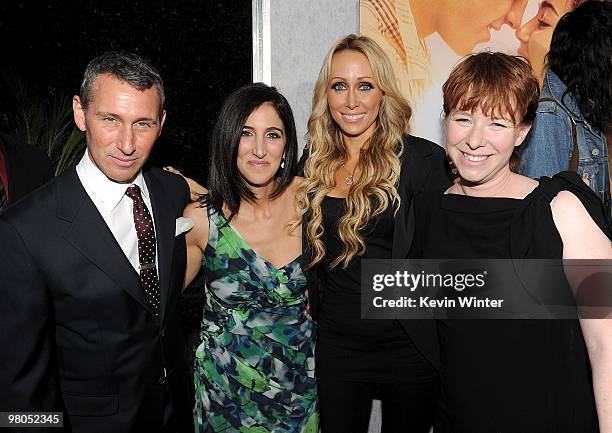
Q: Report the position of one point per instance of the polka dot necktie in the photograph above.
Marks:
(146, 247)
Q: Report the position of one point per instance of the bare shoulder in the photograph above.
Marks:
(289, 202)
(581, 236)
(566, 207)
(195, 210)
(292, 188)
(530, 184)
(197, 213)
(296, 182)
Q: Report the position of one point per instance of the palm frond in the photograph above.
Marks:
(44, 121)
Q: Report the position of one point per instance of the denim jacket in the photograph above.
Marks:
(547, 150)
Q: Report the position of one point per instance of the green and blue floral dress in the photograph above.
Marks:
(254, 369)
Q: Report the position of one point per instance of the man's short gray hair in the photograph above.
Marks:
(127, 67)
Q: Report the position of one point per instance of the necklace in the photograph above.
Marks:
(349, 179)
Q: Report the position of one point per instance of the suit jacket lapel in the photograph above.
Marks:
(164, 235)
(89, 234)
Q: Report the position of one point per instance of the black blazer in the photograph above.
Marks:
(76, 332)
(424, 167)
(27, 168)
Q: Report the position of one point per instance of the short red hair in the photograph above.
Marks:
(502, 86)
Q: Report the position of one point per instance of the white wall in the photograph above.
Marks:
(301, 33)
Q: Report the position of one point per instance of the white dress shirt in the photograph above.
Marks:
(114, 206)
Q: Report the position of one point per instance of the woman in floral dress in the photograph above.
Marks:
(254, 368)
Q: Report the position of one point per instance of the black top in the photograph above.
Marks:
(342, 287)
(423, 168)
(348, 346)
(508, 375)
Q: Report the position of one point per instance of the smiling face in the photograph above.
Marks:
(121, 124)
(535, 35)
(353, 96)
(262, 146)
(480, 146)
(464, 24)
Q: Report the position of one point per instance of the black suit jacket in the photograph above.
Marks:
(424, 167)
(27, 168)
(75, 329)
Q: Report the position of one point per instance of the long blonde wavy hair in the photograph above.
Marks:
(375, 189)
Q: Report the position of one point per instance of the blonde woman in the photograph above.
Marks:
(362, 170)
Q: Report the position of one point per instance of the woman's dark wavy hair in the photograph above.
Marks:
(226, 186)
(581, 56)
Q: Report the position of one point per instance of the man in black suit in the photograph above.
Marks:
(22, 169)
(91, 271)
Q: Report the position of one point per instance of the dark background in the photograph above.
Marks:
(202, 49)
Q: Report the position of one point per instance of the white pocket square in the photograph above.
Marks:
(182, 225)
